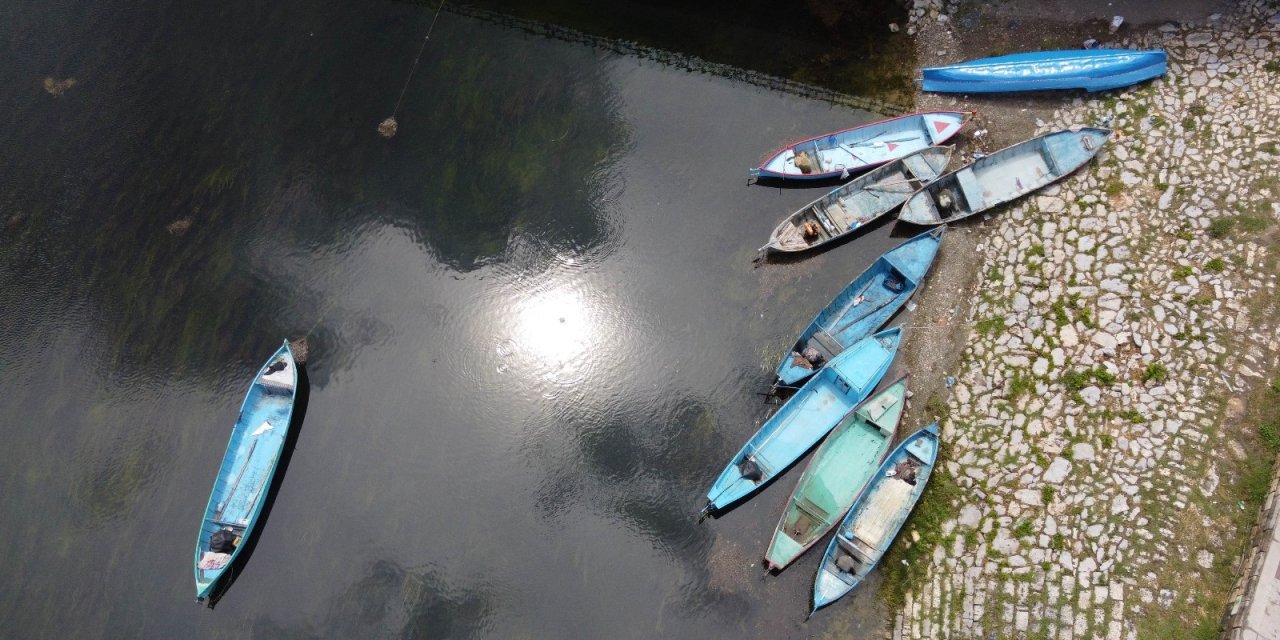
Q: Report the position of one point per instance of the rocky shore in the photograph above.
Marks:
(1099, 343)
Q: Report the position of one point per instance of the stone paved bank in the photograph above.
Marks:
(1120, 317)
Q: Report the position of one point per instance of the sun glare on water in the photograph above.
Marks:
(556, 328)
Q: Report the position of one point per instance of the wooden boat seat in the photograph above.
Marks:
(820, 214)
(806, 505)
(232, 525)
(918, 167)
(873, 411)
(856, 549)
(970, 188)
(1051, 162)
(828, 346)
(882, 510)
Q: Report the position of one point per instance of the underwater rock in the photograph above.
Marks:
(179, 227)
(299, 347)
(388, 127)
(58, 87)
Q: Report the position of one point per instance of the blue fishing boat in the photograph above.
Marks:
(839, 153)
(862, 307)
(805, 418)
(836, 474)
(1003, 176)
(857, 203)
(257, 440)
(876, 517)
(1089, 69)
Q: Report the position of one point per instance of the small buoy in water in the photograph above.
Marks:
(388, 127)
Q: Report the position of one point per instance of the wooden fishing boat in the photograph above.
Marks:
(857, 203)
(837, 473)
(861, 308)
(1003, 176)
(1089, 69)
(876, 517)
(840, 153)
(257, 440)
(805, 418)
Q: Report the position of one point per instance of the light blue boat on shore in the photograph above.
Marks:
(1088, 69)
(876, 517)
(805, 418)
(862, 307)
(1003, 176)
(257, 441)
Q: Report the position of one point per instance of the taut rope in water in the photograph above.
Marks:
(389, 126)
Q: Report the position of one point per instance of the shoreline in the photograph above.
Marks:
(1104, 336)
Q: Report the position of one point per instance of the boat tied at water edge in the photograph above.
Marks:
(253, 452)
(863, 306)
(838, 154)
(805, 418)
(857, 203)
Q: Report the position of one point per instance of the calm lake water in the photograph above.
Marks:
(536, 330)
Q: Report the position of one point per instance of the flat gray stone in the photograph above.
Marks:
(1119, 505)
(970, 516)
(1091, 395)
(1058, 470)
(1020, 302)
(1068, 336)
(1029, 497)
(1199, 39)
(1082, 451)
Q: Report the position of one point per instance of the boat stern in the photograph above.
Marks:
(791, 374)
(783, 550)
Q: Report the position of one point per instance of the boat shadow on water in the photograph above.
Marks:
(295, 429)
(823, 183)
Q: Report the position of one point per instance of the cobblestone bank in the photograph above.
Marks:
(1117, 317)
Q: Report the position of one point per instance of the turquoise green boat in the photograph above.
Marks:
(836, 475)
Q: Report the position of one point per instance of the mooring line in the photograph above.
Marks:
(389, 126)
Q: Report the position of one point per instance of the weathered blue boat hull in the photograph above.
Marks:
(876, 517)
(249, 464)
(806, 418)
(864, 305)
(1003, 176)
(1088, 69)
